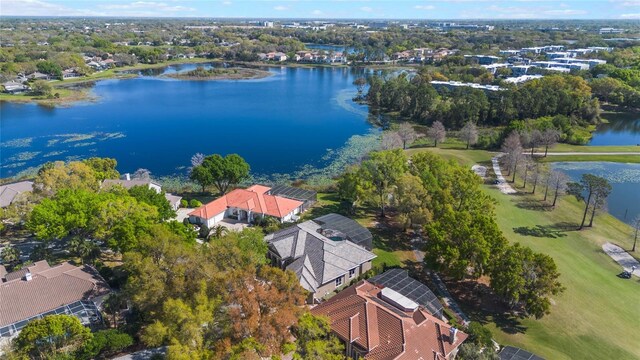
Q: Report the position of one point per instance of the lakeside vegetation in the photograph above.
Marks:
(234, 73)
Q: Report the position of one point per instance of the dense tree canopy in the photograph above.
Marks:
(223, 172)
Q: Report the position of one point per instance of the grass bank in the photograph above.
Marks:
(596, 316)
(631, 158)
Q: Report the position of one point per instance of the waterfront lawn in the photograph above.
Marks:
(631, 158)
(591, 149)
(587, 319)
(467, 157)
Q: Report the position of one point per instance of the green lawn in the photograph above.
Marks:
(587, 149)
(631, 158)
(596, 307)
(587, 320)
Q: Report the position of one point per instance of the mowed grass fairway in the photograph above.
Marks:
(598, 315)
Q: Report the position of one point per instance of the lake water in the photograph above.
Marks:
(278, 124)
(622, 129)
(624, 200)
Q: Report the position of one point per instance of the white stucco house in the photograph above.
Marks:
(247, 205)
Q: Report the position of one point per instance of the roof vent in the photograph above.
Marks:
(27, 276)
(398, 300)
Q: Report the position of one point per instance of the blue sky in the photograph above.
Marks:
(328, 9)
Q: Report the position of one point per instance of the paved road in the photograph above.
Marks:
(622, 257)
(504, 187)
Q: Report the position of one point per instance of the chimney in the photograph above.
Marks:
(127, 176)
(452, 334)
(27, 276)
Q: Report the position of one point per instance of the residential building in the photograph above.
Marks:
(127, 182)
(560, 65)
(11, 192)
(325, 253)
(494, 67)
(509, 52)
(14, 87)
(249, 205)
(483, 59)
(610, 30)
(522, 78)
(400, 281)
(376, 322)
(39, 290)
(519, 70)
(456, 84)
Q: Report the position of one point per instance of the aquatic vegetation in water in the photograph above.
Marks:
(52, 142)
(24, 156)
(17, 143)
(616, 173)
(53, 153)
(84, 144)
(111, 136)
(13, 165)
(77, 137)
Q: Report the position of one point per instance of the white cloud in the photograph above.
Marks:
(565, 12)
(41, 8)
(280, 8)
(424, 7)
(366, 9)
(147, 6)
(630, 16)
(317, 12)
(227, 3)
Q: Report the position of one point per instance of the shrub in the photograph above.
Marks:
(184, 203)
(194, 203)
(479, 334)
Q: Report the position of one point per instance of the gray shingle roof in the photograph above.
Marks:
(315, 258)
(9, 192)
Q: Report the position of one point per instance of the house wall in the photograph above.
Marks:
(289, 216)
(330, 286)
(155, 187)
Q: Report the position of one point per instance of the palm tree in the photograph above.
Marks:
(218, 231)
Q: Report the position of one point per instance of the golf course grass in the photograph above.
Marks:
(597, 315)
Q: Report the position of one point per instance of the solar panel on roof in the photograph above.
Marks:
(399, 280)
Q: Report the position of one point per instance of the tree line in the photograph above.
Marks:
(458, 220)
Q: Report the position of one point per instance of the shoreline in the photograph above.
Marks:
(67, 98)
(233, 73)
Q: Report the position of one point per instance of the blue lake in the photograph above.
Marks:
(623, 129)
(624, 200)
(278, 124)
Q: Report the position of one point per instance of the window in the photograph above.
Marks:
(339, 281)
(352, 273)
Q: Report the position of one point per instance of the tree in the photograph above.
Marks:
(558, 181)
(105, 343)
(41, 88)
(85, 249)
(314, 340)
(147, 195)
(525, 278)
(380, 172)
(390, 140)
(58, 175)
(218, 231)
(407, 134)
(360, 83)
(437, 133)
(596, 189)
(473, 351)
(602, 191)
(531, 139)
(142, 174)
(53, 336)
(197, 159)
(10, 255)
(223, 172)
(351, 189)
(548, 138)
(469, 133)
(410, 199)
(527, 167)
(636, 226)
(513, 149)
(103, 168)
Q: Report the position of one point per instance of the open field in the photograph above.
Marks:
(592, 149)
(587, 319)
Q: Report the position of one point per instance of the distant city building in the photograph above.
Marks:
(522, 79)
(610, 30)
(494, 67)
(483, 59)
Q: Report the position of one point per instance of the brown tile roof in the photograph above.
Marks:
(49, 288)
(254, 198)
(386, 332)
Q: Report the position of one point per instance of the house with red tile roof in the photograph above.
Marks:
(250, 204)
(378, 323)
